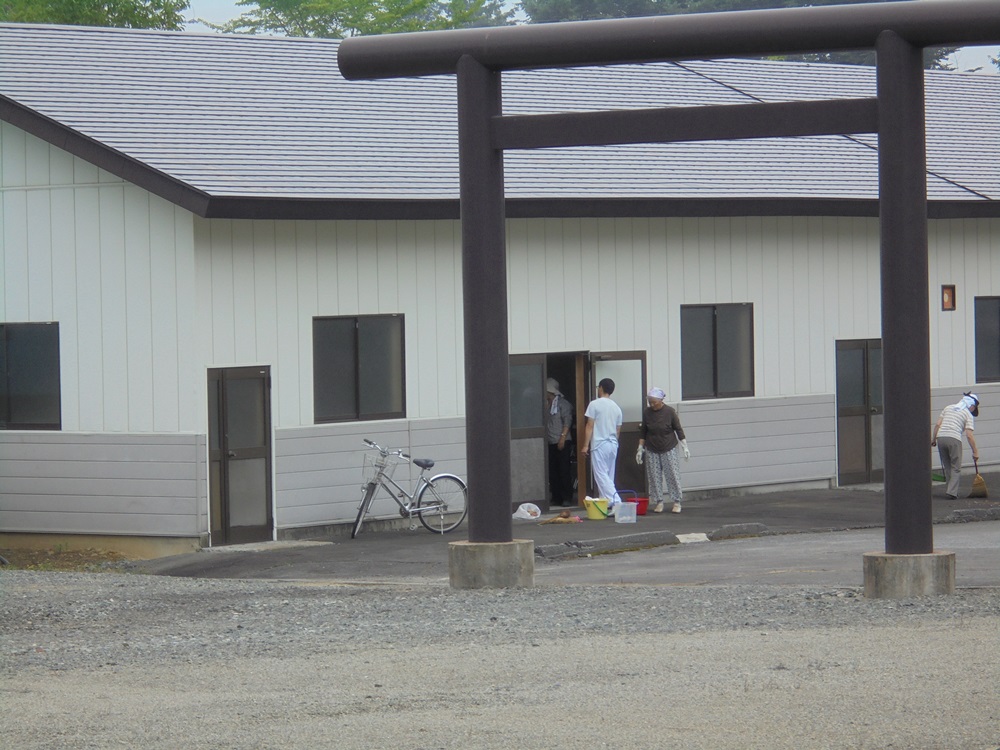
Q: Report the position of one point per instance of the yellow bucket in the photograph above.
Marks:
(596, 508)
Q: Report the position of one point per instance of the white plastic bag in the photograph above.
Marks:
(527, 511)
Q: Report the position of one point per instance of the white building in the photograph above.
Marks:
(223, 265)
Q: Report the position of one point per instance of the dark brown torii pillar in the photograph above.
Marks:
(898, 31)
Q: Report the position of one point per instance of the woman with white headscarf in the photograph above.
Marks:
(955, 421)
(661, 437)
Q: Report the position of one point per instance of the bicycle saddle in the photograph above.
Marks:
(423, 463)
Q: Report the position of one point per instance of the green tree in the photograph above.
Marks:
(547, 11)
(128, 14)
(336, 19)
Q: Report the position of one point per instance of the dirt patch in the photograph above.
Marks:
(80, 560)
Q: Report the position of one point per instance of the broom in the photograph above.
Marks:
(978, 484)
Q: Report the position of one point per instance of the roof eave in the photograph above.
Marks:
(103, 156)
(202, 204)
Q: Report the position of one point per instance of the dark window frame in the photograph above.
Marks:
(357, 415)
(6, 423)
(979, 354)
(687, 392)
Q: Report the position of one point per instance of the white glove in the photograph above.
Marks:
(638, 455)
(687, 453)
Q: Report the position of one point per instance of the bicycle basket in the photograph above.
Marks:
(376, 462)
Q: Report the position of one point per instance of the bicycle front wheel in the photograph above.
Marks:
(443, 503)
(366, 502)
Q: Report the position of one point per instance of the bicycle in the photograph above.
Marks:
(440, 502)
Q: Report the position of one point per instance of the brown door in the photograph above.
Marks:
(239, 436)
(860, 444)
(628, 370)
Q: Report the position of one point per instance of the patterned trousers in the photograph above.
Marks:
(663, 471)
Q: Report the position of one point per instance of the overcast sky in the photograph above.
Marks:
(218, 11)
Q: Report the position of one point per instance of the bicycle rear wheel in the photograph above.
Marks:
(443, 503)
(366, 502)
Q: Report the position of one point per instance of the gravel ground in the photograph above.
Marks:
(120, 660)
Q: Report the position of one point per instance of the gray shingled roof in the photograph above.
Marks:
(272, 118)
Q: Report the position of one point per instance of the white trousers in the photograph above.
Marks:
(603, 458)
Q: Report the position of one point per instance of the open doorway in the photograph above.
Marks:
(577, 374)
(567, 369)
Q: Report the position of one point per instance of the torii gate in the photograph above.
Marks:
(898, 32)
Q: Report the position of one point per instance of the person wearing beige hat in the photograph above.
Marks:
(661, 437)
(558, 435)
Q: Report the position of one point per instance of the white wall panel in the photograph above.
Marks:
(13, 156)
(367, 284)
(99, 257)
(113, 307)
(85, 173)
(767, 328)
(90, 365)
(190, 400)
(65, 293)
(269, 280)
(451, 350)
(287, 313)
(572, 273)
(39, 236)
(138, 311)
(533, 302)
(518, 309)
(243, 323)
(385, 249)
(347, 270)
(422, 388)
(623, 272)
(118, 270)
(15, 268)
(264, 293)
(812, 281)
(307, 239)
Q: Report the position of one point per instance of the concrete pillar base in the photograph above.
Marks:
(492, 565)
(904, 576)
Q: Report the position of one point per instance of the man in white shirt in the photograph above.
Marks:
(600, 442)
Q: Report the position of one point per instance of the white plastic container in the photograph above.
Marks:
(625, 513)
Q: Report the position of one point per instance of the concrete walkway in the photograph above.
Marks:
(417, 555)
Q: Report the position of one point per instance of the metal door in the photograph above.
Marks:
(239, 435)
(628, 370)
(860, 436)
(527, 429)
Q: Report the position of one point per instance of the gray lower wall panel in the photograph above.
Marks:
(115, 484)
(747, 442)
(155, 485)
(318, 468)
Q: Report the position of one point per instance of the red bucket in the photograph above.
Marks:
(641, 503)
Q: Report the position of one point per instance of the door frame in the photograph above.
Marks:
(629, 436)
(529, 439)
(868, 410)
(219, 454)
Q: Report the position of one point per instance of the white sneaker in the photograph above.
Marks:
(676, 508)
(611, 511)
(658, 508)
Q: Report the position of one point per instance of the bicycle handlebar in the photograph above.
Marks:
(385, 451)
